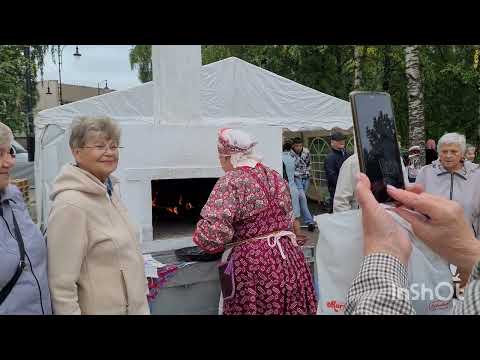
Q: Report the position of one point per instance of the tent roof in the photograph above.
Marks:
(233, 93)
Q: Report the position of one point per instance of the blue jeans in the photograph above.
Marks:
(295, 200)
(302, 186)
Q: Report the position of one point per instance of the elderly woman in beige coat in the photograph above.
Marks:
(95, 262)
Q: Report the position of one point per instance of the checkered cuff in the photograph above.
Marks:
(379, 288)
(387, 267)
(471, 297)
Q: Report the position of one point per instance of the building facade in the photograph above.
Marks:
(49, 97)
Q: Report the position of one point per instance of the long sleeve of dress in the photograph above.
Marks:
(215, 229)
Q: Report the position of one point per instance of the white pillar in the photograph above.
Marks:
(176, 76)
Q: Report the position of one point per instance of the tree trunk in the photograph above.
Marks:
(358, 54)
(416, 117)
(387, 67)
(476, 65)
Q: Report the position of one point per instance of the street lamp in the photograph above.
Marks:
(77, 53)
(60, 53)
(105, 88)
(29, 130)
(48, 88)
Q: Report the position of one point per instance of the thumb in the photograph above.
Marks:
(365, 198)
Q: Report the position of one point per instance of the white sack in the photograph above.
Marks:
(339, 255)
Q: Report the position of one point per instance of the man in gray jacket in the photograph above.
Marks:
(23, 282)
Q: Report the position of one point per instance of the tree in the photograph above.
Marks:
(449, 79)
(415, 100)
(12, 86)
(14, 68)
(476, 58)
(387, 67)
(141, 60)
(358, 60)
(451, 90)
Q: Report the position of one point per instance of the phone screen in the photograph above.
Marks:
(377, 144)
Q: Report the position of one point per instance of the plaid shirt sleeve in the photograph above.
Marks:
(471, 297)
(380, 288)
(307, 160)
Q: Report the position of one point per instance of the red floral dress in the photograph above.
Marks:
(248, 203)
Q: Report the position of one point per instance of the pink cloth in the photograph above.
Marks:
(248, 203)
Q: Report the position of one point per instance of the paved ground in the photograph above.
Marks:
(315, 209)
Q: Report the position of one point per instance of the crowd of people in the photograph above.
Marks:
(90, 262)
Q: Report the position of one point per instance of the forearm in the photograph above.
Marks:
(380, 288)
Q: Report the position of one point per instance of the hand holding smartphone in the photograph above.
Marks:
(376, 138)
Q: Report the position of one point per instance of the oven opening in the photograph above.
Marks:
(176, 205)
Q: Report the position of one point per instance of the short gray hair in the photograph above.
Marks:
(6, 135)
(453, 138)
(83, 126)
(470, 147)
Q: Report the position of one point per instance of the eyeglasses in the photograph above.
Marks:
(12, 152)
(103, 147)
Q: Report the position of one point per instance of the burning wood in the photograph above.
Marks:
(173, 210)
(179, 200)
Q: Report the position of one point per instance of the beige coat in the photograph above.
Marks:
(95, 265)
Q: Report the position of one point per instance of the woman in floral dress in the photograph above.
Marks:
(249, 217)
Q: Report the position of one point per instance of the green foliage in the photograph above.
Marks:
(13, 70)
(12, 86)
(141, 60)
(451, 91)
(451, 81)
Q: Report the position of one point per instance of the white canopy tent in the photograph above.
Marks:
(233, 93)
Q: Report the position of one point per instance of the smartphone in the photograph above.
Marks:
(376, 138)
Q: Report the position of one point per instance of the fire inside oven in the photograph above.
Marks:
(176, 205)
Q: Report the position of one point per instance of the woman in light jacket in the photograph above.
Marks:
(95, 262)
(23, 279)
(455, 179)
